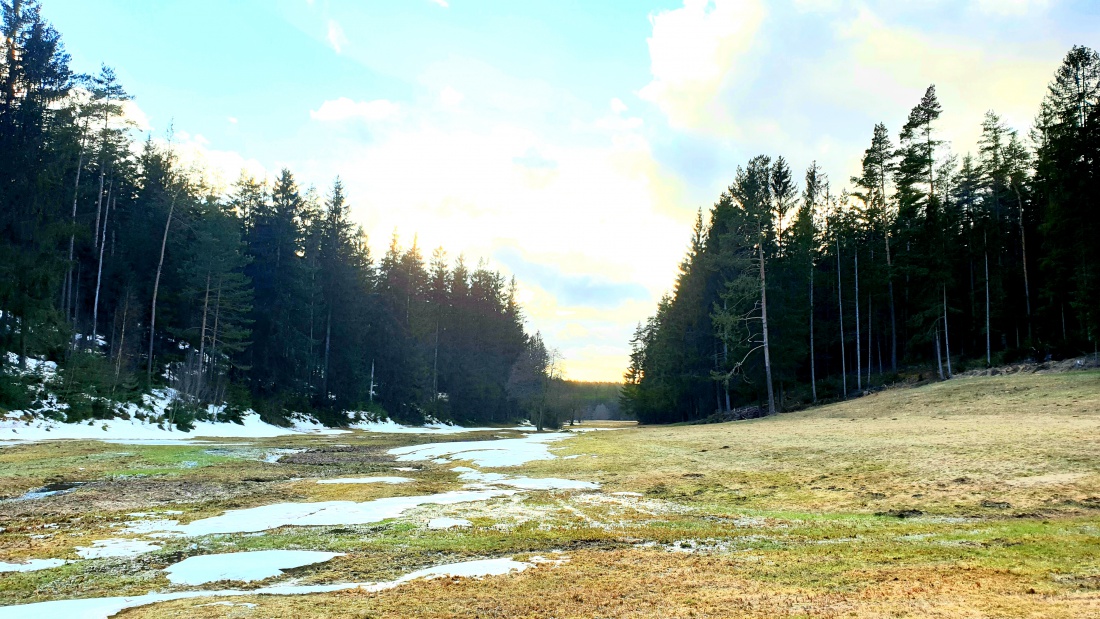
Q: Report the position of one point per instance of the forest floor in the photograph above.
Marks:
(976, 497)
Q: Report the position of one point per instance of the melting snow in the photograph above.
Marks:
(115, 548)
(365, 480)
(525, 483)
(496, 453)
(102, 608)
(243, 566)
(327, 513)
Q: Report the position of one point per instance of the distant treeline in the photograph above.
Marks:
(788, 295)
(124, 267)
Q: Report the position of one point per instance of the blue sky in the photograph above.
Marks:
(568, 142)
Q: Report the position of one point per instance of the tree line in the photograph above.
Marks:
(927, 264)
(130, 271)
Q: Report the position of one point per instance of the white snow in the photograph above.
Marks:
(495, 453)
(365, 480)
(525, 483)
(389, 426)
(448, 523)
(102, 608)
(327, 513)
(32, 565)
(115, 548)
(137, 431)
(469, 569)
(242, 566)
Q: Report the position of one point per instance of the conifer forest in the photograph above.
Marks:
(799, 288)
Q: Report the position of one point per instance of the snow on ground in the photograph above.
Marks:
(242, 566)
(484, 567)
(33, 565)
(102, 608)
(388, 426)
(498, 453)
(325, 513)
(365, 480)
(115, 548)
(524, 483)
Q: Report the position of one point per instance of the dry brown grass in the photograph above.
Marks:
(1005, 470)
(651, 583)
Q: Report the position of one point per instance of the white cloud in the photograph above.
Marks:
(450, 97)
(336, 37)
(694, 51)
(1012, 7)
(232, 120)
(217, 169)
(442, 3)
(617, 106)
(347, 109)
(135, 116)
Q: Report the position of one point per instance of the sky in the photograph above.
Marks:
(566, 142)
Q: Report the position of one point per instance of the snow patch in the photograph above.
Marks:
(115, 548)
(525, 483)
(32, 565)
(102, 608)
(242, 566)
(327, 513)
(495, 453)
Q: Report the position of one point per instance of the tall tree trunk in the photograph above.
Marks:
(813, 371)
(1023, 250)
(764, 320)
(121, 340)
(156, 289)
(202, 331)
(99, 273)
(889, 276)
(68, 287)
(939, 358)
(98, 206)
(989, 347)
(859, 360)
(870, 338)
(946, 339)
(435, 362)
(840, 305)
(328, 348)
(214, 333)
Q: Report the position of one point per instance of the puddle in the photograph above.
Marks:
(365, 480)
(495, 453)
(102, 608)
(116, 548)
(61, 487)
(242, 566)
(326, 513)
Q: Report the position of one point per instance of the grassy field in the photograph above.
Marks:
(978, 497)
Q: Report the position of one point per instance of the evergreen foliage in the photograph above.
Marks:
(929, 264)
(126, 270)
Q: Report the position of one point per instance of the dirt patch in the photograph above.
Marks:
(343, 455)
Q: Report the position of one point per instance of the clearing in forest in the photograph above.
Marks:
(976, 496)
